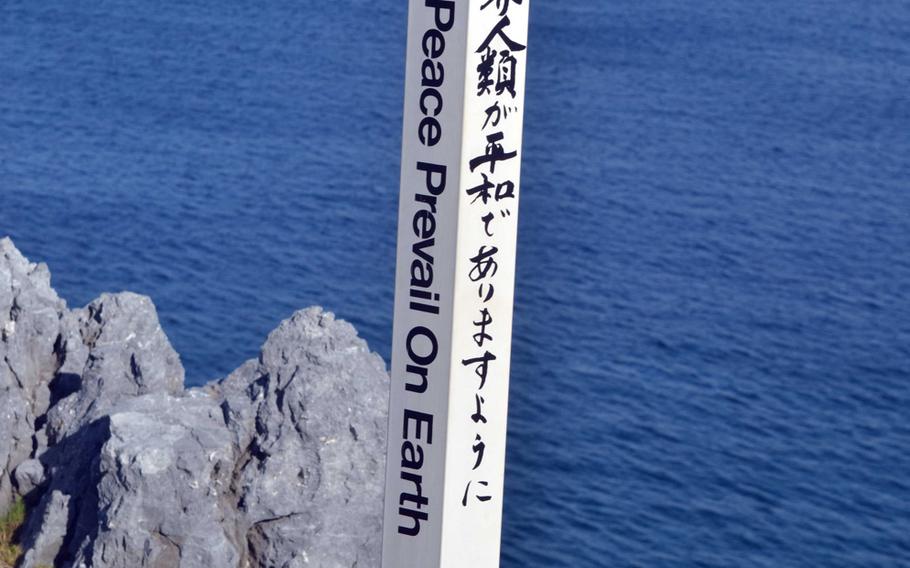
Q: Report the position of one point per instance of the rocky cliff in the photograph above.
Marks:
(279, 465)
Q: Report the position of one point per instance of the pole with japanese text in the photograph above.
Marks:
(457, 233)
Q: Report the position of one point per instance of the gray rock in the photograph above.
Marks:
(61, 369)
(53, 519)
(310, 483)
(164, 477)
(68, 508)
(30, 316)
(279, 465)
(113, 349)
(29, 475)
(146, 485)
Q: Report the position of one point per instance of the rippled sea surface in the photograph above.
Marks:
(712, 351)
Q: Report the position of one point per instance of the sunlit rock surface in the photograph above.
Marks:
(278, 465)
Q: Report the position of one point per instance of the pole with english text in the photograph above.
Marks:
(458, 216)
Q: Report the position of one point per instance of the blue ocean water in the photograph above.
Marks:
(712, 351)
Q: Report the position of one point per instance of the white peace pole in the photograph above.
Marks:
(464, 102)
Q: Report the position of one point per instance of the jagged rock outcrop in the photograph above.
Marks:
(154, 474)
(30, 326)
(278, 465)
(113, 349)
(312, 447)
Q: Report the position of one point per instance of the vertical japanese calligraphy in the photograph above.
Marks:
(460, 185)
(485, 274)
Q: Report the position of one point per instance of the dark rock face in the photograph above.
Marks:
(280, 465)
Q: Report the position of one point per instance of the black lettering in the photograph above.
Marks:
(428, 199)
(421, 274)
(430, 170)
(425, 308)
(411, 457)
(431, 94)
(429, 132)
(424, 224)
(434, 44)
(418, 388)
(417, 497)
(417, 516)
(418, 418)
(443, 8)
(433, 73)
(423, 360)
(417, 249)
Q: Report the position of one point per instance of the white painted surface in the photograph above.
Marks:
(443, 504)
